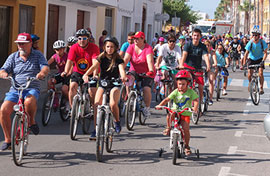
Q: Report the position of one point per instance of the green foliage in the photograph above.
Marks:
(246, 6)
(223, 7)
(180, 9)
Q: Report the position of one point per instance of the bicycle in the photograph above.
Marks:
(135, 103)
(206, 98)
(254, 84)
(235, 57)
(53, 101)
(20, 125)
(159, 95)
(105, 126)
(81, 110)
(177, 138)
(218, 83)
(195, 86)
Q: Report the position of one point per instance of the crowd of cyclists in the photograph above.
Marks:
(182, 54)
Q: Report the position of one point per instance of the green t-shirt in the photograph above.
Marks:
(182, 101)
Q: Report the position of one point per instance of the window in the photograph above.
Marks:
(26, 19)
(108, 21)
(125, 28)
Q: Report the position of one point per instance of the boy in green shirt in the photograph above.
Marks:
(182, 98)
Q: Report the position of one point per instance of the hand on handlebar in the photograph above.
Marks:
(4, 75)
(150, 74)
(85, 78)
(40, 76)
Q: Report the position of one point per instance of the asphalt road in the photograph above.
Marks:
(230, 138)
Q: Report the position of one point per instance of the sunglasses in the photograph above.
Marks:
(172, 41)
(82, 38)
(255, 35)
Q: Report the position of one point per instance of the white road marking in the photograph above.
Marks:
(249, 104)
(245, 112)
(224, 171)
(232, 150)
(254, 152)
(237, 82)
(255, 135)
(238, 133)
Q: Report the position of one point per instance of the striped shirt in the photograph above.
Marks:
(21, 70)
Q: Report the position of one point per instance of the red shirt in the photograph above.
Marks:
(82, 58)
(138, 62)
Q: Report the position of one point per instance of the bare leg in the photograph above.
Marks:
(114, 99)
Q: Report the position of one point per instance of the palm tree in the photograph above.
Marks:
(246, 7)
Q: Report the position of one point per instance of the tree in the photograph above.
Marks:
(180, 9)
(222, 9)
(246, 7)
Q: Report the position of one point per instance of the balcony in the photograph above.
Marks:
(95, 3)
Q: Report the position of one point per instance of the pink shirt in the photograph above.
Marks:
(60, 61)
(138, 62)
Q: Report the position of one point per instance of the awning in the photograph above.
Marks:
(95, 3)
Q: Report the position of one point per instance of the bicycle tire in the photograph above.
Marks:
(64, 112)
(254, 92)
(122, 100)
(47, 110)
(109, 135)
(130, 112)
(175, 148)
(158, 96)
(234, 65)
(206, 100)
(203, 104)
(142, 118)
(86, 119)
(100, 135)
(17, 139)
(195, 116)
(74, 118)
(218, 90)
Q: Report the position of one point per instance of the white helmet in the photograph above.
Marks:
(256, 29)
(72, 39)
(59, 44)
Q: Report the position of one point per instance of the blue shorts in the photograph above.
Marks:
(14, 95)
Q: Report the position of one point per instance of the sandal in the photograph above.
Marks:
(166, 132)
(261, 91)
(187, 150)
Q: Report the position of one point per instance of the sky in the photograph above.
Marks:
(208, 6)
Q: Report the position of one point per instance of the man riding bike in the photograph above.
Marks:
(234, 48)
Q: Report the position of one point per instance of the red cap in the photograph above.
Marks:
(139, 34)
(23, 38)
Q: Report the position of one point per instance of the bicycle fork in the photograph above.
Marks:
(174, 131)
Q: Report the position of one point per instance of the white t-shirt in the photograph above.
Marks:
(157, 47)
(170, 57)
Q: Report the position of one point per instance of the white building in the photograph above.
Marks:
(118, 17)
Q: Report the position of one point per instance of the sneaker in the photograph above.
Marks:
(93, 135)
(210, 103)
(35, 129)
(117, 127)
(237, 66)
(261, 92)
(5, 146)
(146, 112)
(224, 92)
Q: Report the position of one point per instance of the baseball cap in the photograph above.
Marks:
(139, 34)
(23, 38)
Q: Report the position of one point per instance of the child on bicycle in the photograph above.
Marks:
(111, 65)
(182, 98)
(60, 58)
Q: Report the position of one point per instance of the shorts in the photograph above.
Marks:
(77, 77)
(255, 62)
(185, 118)
(145, 81)
(13, 95)
(198, 75)
(110, 86)
(63, 80)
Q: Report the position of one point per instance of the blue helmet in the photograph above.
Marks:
(34, 37)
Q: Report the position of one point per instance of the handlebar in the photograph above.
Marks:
(254, 66)
(21, 87)
(171, 111)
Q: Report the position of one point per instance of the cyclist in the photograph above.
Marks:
(71, 41)
(157, 47)
(211, 73)
(26, 62)
(169, 56)
(243, 50)
(81, 56)
(192, 57)
(35, 40)
(234, 48)
(182, 41)
(223, 61)
(60, 58)
(111, 66)
(256, 52)
(140, 55)
(125, 46)
(182, 98)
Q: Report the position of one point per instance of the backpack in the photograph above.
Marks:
(261, 45)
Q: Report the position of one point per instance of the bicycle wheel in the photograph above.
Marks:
(254, 92)
(130, 112)
(158, 96)
(195, 116)
(74, 118)
(218, 90)
(109, 134)
(47, 108)
(142, 118)
(17, 139)
(234, 65)
(175, 148)
(87, 117)
(64, 111)
(123, 98)
(100, 135)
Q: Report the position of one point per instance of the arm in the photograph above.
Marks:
(159, 59)
(122, 72)
(68, 66)
(127, 59)
(207, 61)
(51, 60)
(43, 72)
(214, 56)
(227, 62)
(196, 104)
(264, 54)
(94, 67)
(245, 56)
(164, 102)
(122, 54)
(150, 63)
(3, 74)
